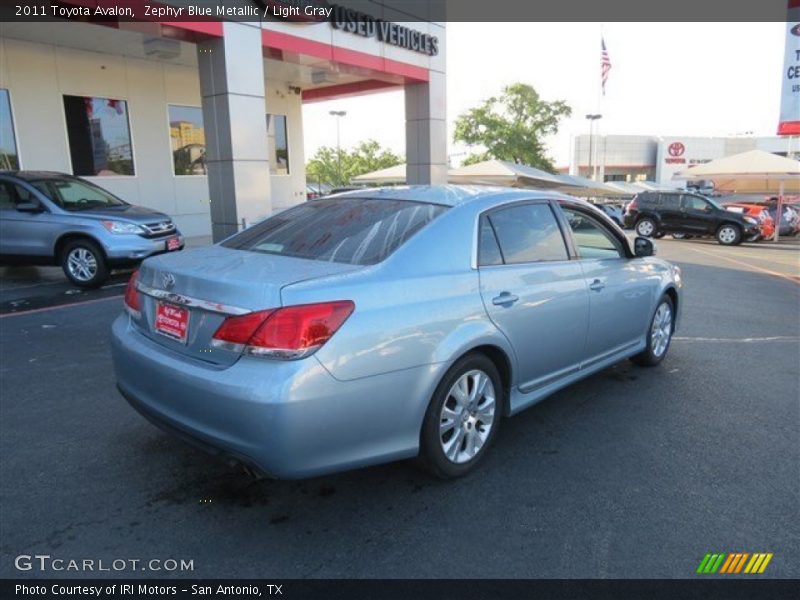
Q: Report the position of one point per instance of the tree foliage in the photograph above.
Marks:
(329, 167)
(512, 127)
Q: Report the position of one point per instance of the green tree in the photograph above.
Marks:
(337, 169)
(512, 127)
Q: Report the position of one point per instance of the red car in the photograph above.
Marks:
(758, 212)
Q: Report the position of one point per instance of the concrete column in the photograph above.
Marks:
(232, 89)
(426, 123)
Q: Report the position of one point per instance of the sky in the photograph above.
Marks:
(688, 79)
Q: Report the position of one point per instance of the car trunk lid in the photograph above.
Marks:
(187, 295)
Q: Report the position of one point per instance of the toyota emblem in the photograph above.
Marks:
(167, 280)
(676, 149)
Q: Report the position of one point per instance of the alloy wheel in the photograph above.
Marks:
(661, 329)
(467, 416)
(82, 264)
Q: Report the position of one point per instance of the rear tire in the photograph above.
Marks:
(461, 423)
(729, 235)
(84, 263)
(646, 227)
(659, 334)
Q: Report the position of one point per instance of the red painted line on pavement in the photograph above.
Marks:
(45, 309)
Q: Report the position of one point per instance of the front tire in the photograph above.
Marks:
(729, 235)
(84, 263)
(463, 417)
(646, 227)
(659, 334)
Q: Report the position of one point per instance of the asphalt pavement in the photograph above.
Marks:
(631, 473)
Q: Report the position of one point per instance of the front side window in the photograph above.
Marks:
(9, 159)
(359, 231)
(75, 195)
(592, 238)
(696, 203)
(528, 233)
(188, 140)
(99, 136)
(278, 143)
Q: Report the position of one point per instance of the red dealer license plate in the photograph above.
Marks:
(172, 321)
(173, 244)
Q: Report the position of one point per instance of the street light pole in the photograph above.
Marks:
(338, 114)
(592, 119)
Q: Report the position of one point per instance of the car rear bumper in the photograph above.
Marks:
(288, 419)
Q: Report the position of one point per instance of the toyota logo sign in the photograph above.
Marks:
(167, 280)
(676, 149)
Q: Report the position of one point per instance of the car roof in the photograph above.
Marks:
(36, 175)
(452, 195)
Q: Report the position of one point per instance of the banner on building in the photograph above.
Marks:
(790, 92)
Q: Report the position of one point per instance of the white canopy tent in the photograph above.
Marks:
(390, 175)
(753, 172)
(624, 188)
(583, 186)
(500, 172)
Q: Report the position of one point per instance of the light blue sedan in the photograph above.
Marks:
(385, 324)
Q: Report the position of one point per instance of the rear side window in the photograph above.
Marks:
(12, 194)
(359, 231)
(488, 248)
(671, 201)
(528, 233)
(647, 198)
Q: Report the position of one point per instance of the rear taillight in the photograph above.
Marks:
(631, 206)
(133, 302)
(287, 333)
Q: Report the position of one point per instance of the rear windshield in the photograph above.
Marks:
(359, 231)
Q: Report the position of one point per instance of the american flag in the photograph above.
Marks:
(605, 65)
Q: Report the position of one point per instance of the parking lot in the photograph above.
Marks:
(631, 473)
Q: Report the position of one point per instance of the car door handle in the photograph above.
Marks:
(504, 299)
(596, 285)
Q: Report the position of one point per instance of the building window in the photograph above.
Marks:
(99, 136)
(188, 138)
(278, 142)
(9, 159)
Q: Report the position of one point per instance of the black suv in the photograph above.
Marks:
(653, 214)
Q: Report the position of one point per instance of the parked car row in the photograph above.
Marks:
(653, 214)
(685, 215)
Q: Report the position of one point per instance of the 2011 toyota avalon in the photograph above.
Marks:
(384, 324)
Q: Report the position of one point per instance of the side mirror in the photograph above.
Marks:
(643, 246)
(29, 207)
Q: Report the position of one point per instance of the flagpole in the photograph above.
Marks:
(595, 161)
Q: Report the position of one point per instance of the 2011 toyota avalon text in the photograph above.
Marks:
(385, 324)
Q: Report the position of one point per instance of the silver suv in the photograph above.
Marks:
(57, 219)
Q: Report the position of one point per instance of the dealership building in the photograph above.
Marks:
(633, 158)
(203, 119)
